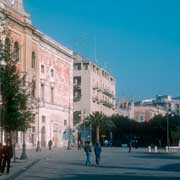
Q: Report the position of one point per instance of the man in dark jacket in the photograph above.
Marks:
(88, 150)
(97, 151)
(7, 155)
(50, 144)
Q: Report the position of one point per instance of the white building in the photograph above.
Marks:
(94, 89)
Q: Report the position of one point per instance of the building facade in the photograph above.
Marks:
(49, 69)
(140, 112)
(94, 89)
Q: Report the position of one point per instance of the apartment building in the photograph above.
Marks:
(94, 89)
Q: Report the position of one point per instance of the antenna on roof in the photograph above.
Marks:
(95, 49)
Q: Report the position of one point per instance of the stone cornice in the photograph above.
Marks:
(44, 38)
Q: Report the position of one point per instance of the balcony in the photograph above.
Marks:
(95, 99)
(97, 88)
(107, 104)
(108, 93)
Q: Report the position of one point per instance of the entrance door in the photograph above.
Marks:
(43, 137)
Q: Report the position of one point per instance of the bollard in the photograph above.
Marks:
(167, 149)
(155, 149)
(149, 149)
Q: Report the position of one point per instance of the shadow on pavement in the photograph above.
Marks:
(159, 156)
(169, 167)
(105, 177)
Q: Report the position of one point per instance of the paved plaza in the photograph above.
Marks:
(116, 164)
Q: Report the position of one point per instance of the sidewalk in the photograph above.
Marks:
(20, 166)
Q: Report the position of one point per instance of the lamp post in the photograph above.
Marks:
(69, 130)
(24, 154)
(2, 67)
(38, 141)
(168, 138)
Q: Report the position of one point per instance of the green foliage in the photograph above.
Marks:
(17, 112)
(147, 133)
(98, 122)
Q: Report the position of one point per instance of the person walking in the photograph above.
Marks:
(1, 157)
(130, 145)
(6, 155)
(88, 150)
(50, 144)
(97, 151)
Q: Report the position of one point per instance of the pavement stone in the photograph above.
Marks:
(116, 164)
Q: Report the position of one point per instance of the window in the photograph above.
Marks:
(65, 122)
(77, 94)
(52, 73)
(52, 95)
(33, 88)
(16, 52)
(33, 63)
(42, 91)
(33, 129)
(85, 65)
(141, 118)
(42, 69)
(77, 66)
(77, 80)
(43, 119)
(76, 117)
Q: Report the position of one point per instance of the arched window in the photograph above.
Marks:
(33, 63)
(42, 69)
(16, 52)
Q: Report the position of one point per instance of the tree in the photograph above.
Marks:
(15, 96)
(98, 121)
(123, 130)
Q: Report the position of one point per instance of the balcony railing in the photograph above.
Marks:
(108, 93)
(95, 99)
(107, 104)
(97, 88)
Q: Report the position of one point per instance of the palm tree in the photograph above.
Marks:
(98, 121)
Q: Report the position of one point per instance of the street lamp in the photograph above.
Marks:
(168, 138)
(38, 141)
(2, 67)
(24, 154)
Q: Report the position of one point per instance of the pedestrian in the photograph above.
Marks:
(79, 145)
(6, 155)
(88, 150)
(130, 145)
(97, 151)
(1, 155)
(50, 144)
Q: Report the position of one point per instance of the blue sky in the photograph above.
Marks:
(137, 40)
